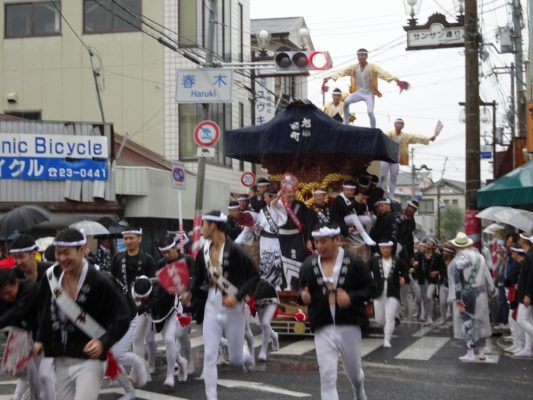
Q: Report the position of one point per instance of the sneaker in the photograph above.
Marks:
(511, 349)
(128, 396)
(386, 344)
(182, 369)
(469, 356)
(523, 353)
(169, 382)
(275, 342)
(262, 356)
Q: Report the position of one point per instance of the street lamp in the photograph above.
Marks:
(303, 37)
(412, 7)
(263, 39)
(460, 7)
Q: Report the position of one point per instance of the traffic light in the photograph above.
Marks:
(302, 61)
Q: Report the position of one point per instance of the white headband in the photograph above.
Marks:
(528, 238)
(72, 244)
(135, 295)
(518, 250)
(349, 186)
(170, 246)
(24, 250)
(233, 207)
(326, 232)
(263, 184)
(410, 203)
(385, 244)
(386, 201)
(215, 218)
(319, 191)
(133, 232)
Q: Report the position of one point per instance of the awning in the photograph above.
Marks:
(513, 189)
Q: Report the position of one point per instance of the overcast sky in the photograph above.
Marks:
(436, 76)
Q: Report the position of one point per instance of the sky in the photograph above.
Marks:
(436, 76)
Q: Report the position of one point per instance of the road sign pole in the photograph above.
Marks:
(180, 216)
(200, 177)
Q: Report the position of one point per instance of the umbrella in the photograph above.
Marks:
(520, 219)
(494, 229)
(90, 228)
(22, 219)
(490, 213)
(116, 228)
(44, 242)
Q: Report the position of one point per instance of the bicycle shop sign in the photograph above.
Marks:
(53, 157)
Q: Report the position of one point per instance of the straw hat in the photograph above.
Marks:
(462, 240)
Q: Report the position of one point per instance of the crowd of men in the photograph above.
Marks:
(82, 320)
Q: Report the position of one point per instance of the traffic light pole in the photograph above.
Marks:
(200, 175)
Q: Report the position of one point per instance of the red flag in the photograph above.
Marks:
(174, 277)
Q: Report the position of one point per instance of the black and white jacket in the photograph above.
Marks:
(237, 267)
(24, 311)
(126, 273)
(398, 270)
(98, 297)
(354, 278)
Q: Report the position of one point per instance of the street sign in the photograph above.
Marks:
(206, 133)
(178, 175)
(485, 153)
(207, 152)
(248, 179)
(205, 85)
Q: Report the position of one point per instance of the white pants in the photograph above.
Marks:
(385, 311)
(219, 320)
(329, 342)
(419, 303)
(391, 169)
(356, 97)
(518, 334)
(427, 292)
(47, 378)
(362, 223)
(121, 350)
(266, 313)
(78, 379)
(443, 302)
(525, 321)
(144, 333)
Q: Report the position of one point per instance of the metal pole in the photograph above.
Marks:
(200, 176)
(413, 172)
(519, 65)
(472, 104)
(493, 105)
(512, 120)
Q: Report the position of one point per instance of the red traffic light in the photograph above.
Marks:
(320, 60)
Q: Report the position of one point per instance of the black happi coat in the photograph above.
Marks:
(98, 297)
(41, 269)
(406, 227)
(24, 311)
(357, 283)
(315, 216)
(160, 305)
(257, 203)
(237, 267)
(427, 265)
(399, 269)
(145, 266)
(525, 279)
(385, 229)
(340, 208)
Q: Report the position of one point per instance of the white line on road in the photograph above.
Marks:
(297, 348)
(142, 394)
(369, 345)
(261, 387)
(423, 349)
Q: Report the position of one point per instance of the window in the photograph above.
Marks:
(187, 23)
(241, 124)
(426, 206)
(222, 44)
(108, 16)
(455, 202)
(32, 19)
(32, 115)
(189, 116)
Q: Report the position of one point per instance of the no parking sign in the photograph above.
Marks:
(178, 175)
(248, 179)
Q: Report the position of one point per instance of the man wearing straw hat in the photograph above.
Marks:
(472, 286)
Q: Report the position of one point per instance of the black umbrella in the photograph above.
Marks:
(116, 229)
(22, 219)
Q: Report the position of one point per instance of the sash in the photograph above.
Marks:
(270, 220)
(124, 283)
(222, 283)
(350, 204)
(292, 214)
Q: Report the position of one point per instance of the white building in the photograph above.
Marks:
(53, 56)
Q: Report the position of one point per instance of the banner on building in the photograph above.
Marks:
(53, 169)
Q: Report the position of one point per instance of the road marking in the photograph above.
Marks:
(423, 349)
(141, 394)
(261, 387)
(424, 330)
(297, 348)
(369, 345)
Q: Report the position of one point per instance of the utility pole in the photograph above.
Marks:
(472, 104)
(200, 176)
(519, 65)
(439, 185)
(413, 174)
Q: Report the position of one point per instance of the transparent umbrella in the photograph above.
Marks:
(90, 228)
